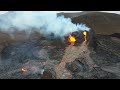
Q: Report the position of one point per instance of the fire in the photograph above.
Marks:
(24, 70)
(85, 35)
(71, 39)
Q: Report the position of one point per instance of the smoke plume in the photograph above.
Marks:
(44, 22)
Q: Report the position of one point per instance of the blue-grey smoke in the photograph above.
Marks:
(44, 22)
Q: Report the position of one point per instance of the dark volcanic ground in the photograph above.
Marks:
(106, 55)
(39, 57)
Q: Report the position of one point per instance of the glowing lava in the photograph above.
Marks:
(71, 39)
(85, 35)
(24, 70)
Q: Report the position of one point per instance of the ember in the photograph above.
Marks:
(24, 70)
(71, 39)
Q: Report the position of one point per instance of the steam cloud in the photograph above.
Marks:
(45, 22)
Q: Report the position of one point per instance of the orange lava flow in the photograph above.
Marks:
(71, 39)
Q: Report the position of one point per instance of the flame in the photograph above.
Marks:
(71, 39)
(85, 35)
(24, 70)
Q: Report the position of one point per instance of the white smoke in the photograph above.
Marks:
(45, 22)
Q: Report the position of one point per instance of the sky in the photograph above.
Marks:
(117, 12)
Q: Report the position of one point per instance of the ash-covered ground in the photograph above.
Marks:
(38, 56)
(45, 58)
